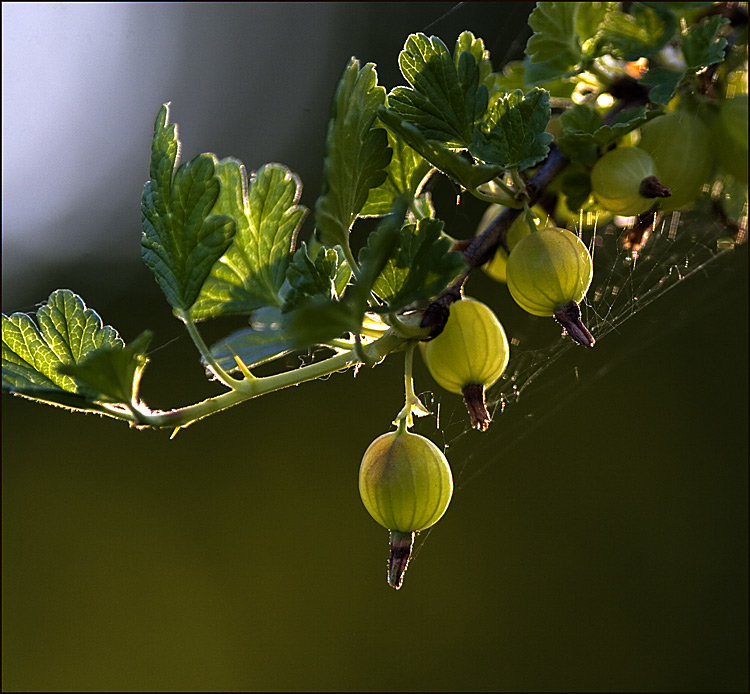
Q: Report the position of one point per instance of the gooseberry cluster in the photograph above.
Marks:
(598, 122)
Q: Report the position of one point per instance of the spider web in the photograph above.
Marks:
(682, 246)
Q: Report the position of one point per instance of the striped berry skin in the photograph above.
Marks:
(549, 269)
(405, 481)
(472, 349)
(617, 179)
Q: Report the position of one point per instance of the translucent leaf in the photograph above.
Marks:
(312, 274)
(406, 172)
(452, 164)
(584, 134)
(252, 271)
(317, 319)
(468, 42)
(111, 373)
(181, 238)
(663, 84)
(445, 99)
(554, 49)
(40, 359)
(356, 154)
(421, 267)
(513, 133)
(701, 44)
(642, 33)
(263, 342)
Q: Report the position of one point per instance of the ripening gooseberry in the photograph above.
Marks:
(549, 273)
(469, 355)
(622, 181)
(406, 484)
(495, 267)
(730, 137)
(405, 481)
(680, 146)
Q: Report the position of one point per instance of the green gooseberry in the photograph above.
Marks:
(680, 146)
(405, 481)
(406, 485)
(730, 137)
(549, 273)
(469, 355)
(548, 269)
(618, 178)
(495, 267)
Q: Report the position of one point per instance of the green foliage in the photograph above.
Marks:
(663, 83)
(68, 357)
(182, 239)
(111, 373)
(357, 154)
(223, 243)
(554, 49)
(512, 135)
(585, 136)
(405, 175)
(421, 266)
(452, 164)
(253, 269)
(446, 98)
(640, 34)
(701, 44)
(319, 317)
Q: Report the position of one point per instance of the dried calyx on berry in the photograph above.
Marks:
(549, 273)
(406, 484)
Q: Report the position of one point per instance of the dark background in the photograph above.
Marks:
(597, 544)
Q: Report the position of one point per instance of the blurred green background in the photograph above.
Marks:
(598, 544)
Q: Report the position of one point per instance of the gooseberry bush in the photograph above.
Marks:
(618, 115)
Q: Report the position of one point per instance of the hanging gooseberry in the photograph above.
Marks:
(406, 485)
(680, 146)
(469, 355)
(549, 273)
(624, 181)
(730, 137)
(495, 267)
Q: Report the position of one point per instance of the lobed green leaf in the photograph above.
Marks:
(319, 273)
(421, 267)
(111, 373)
(357, 154)
(701, 44)
(405, 175)
(513, 134)
(663, 84)
(316, 319)
(68, 356)
(453, 164)
(251, 273)
(446, 98)
(584, 134)
(554, 50)
(181, 238)
(640, 34)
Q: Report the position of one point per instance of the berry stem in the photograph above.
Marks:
(412, 404)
